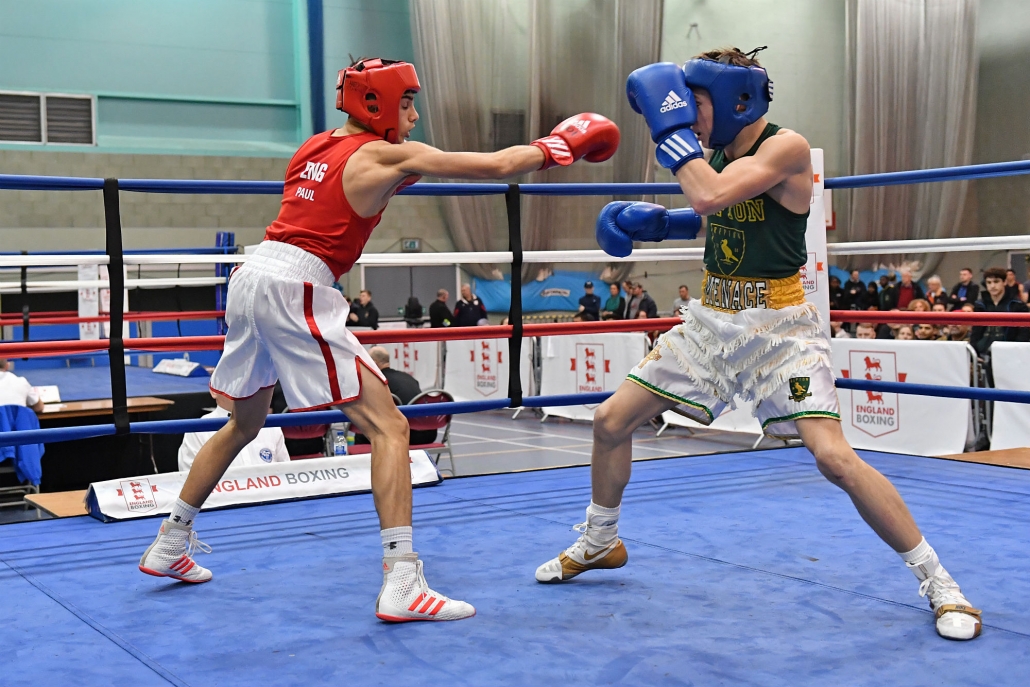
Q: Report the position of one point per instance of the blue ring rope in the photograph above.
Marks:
(319, 417)
(915, 176)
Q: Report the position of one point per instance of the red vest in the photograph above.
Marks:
(315, 214)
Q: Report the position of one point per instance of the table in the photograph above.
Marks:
(60, 504)
(136, 404)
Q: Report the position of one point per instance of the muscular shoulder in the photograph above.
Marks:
(788, 147)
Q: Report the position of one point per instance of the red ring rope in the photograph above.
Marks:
(167, 344)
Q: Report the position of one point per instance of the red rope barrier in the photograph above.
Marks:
(147, 316)
(171, 344)
(986, 319)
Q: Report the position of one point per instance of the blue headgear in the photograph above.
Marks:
(740, 96)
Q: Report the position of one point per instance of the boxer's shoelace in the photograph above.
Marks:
(194, 544)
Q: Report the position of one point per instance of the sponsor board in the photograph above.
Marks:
(123, 499)
(587, 364)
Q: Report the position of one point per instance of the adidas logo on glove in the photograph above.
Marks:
(672, 101)
(580, 124)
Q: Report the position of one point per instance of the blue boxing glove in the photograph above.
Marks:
(660, 93)
(623, 222)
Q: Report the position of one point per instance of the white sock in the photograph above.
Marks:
(922, 559)
(602, 524)
(183, 513)
(396, 541)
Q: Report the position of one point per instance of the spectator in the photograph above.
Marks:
(590, 304)
(960, 332)
(965, 291)
(927, 332)
(268, 447)
(887, 287)
(1013, 289)
(866, 330)
(469, 311)
(888, 331)
(364, 313)
(872, 299)
(632, 300)
(439, 311)
(935, 292)
(855, 294)
(679, 305)
(413, 312)
(615, 307)
(939, 307)
(627, 288)
(918, 305)
(997, 300)
(838, 331)
(904, 333)
(836, 294)
(403, 386)
(16, 391)
(646, 307)
(905, 292)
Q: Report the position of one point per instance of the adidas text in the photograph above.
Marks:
(672, 106)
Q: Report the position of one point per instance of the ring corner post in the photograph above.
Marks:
(513, 206)
(116, 284)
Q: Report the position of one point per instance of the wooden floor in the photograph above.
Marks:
(1009, 458)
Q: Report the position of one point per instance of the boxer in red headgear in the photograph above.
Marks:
(288, 323)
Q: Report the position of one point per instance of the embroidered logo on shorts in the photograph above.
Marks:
(266, 455)
(654, 355)
(799, 388)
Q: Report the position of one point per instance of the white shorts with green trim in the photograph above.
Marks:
(777, 359)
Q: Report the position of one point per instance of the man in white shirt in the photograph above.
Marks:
(268, 447)
(16, 391)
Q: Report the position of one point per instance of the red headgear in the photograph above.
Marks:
(371, 93)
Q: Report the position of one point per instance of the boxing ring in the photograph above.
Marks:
(746, 567)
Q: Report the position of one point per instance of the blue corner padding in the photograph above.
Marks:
(744, 568)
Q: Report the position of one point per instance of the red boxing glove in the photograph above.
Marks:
(590, 136)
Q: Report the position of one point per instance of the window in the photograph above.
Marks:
(47, 118)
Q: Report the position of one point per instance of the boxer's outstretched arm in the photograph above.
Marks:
(419, 158)
(780, 157)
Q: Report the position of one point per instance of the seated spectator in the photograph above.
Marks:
(413, 312)
(680, 303)
(469, 311)
(16, 391)
(632, 300)
(965, 291)
(439, 311)
(615, 307)
(887, 287)
(627, 288)
(836, 294)
(856, 296)
(939, 307)
(646, 308)
(872, 296)
(927, 332)
(935, 292)
(1013, 289)
(918, 305)
(904, 292)
(590, 304)
(363, 313)
(960, 332)
(268, 447)
(838, 331)
(403, 386)
(888, 331)
(865, 330)
(997, 300)
(904, 333)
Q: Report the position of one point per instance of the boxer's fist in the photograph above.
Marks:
(589, 136)
(621, 223)
(660, 93)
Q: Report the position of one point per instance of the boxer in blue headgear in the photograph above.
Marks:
(753, 334)
(740, 95)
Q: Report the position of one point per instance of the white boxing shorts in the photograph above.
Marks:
(287, 323)
(777, 358)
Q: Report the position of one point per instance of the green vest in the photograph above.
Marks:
(755, 238)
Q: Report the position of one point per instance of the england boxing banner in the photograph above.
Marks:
(149, 495)
(420, 359)
(1011, 425)
(586, 363)
(478, 369)
(903, 423)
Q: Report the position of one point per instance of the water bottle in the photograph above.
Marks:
(339, 441)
